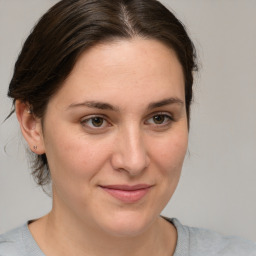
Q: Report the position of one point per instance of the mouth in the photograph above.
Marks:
(127, 193)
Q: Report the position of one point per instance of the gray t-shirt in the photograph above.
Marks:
(191, 242)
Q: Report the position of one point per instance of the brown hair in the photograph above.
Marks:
(72, 26)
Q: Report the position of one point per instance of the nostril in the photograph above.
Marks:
(130, 153)
(133, 165)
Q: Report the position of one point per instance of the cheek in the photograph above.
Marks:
(167, 159)
(74, 162)
(169, 152)
(73, 156)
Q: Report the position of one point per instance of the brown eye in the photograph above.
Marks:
(97, 121)
(159, 119)
(94, 122)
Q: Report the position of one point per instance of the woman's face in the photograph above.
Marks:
(115, 136)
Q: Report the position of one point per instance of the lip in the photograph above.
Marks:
(127, 193)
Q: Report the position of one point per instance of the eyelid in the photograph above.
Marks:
(84, 120)
(161, 113)
(92, 116)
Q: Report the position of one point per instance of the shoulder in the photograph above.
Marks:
(11, 242)
(19, 242)
(201, 242)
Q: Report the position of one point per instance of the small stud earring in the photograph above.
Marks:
(35, 147)
(29, 109)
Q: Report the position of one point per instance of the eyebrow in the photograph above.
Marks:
(95, 104)
(107, 106)
(165, 102)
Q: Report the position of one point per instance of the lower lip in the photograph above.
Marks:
(126, 196)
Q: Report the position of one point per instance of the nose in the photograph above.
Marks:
(130, 152)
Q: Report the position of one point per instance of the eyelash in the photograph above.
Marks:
(168, 119)
(89, 119)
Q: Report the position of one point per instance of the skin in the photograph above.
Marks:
(132, 141)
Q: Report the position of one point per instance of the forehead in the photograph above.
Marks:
(128, 55)
(125, 68)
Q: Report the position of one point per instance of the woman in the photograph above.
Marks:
(102, 91)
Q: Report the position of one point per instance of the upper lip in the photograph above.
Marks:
(127, 187)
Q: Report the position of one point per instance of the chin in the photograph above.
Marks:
(128, 224)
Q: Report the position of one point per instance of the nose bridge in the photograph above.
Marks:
(131, 150)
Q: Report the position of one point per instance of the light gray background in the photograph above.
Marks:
(217, 188)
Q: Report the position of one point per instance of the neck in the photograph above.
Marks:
(59, 233)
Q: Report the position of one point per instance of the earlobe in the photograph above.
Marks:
(30, 126)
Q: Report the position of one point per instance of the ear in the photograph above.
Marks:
(31, 127)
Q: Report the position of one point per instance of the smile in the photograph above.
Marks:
(126, 193)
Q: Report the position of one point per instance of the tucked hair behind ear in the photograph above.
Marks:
(71, 27)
